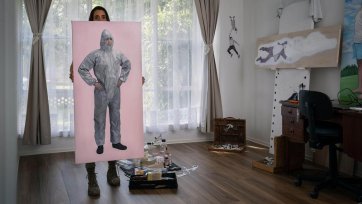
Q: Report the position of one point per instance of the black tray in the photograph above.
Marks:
(128, 169)
(170, 181)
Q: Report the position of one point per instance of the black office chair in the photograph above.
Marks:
(316, 108)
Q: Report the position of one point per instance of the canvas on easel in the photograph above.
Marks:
(287, 81)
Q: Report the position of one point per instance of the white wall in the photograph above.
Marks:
(8, 110)
(266, 24)
(327, 80)
(247, 92)
(229, 68)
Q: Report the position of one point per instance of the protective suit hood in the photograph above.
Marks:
(104, 37)
(110, 66)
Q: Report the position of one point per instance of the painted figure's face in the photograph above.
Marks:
(109, 41)
(99, 15)
(106, 42)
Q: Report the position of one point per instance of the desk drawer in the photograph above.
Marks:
(293, 129)
(290, 112)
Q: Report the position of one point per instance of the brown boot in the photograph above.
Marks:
(93, 188)
(112, 176)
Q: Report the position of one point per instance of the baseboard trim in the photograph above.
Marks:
(258, 142)
(58, 145)
(47, 151)
(68, 145)
(189, 140)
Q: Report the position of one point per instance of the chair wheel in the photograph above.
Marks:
(313, 194)
(297, 182)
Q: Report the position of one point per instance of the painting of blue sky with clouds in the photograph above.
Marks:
(349, 68)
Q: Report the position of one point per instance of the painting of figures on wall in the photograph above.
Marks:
(351, 63)
(315, 48)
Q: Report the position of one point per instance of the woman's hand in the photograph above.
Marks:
(71, 75)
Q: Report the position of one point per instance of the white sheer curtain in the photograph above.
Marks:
(172, 60)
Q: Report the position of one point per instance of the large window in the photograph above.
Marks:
(171, 60)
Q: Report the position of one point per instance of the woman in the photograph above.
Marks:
(98, 13)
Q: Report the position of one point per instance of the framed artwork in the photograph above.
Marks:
(351, 63)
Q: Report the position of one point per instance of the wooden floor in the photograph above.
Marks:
(219, 178)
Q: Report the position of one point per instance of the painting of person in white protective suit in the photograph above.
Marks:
(111, 69)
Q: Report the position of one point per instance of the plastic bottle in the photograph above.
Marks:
(167, 159)
(163, 147)
(146, 151)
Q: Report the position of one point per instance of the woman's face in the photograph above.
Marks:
(99, 15)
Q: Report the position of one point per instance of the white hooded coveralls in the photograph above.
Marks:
(110, 67)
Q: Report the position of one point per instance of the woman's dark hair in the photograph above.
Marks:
(98, 8)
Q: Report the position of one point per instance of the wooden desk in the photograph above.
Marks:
(352, 133)
(293, 128)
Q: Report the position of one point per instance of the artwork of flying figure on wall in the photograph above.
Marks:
(270, 53)
(233, 27)
(289, 50)
(232, 42)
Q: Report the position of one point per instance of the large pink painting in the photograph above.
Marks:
(107, 75)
